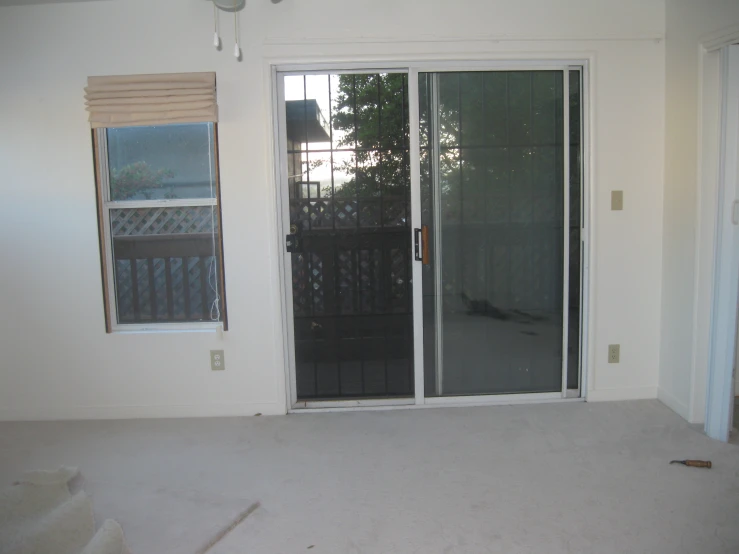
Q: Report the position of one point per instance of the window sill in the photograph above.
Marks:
(167, 328)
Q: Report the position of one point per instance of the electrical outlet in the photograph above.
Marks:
(614, 353)
(217, 361)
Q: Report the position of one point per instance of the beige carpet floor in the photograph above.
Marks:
(547, 478)
(40, 515)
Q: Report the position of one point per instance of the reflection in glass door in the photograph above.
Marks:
(347, 184)
(501, 199)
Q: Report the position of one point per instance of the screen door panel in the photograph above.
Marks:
(349, 207)
(493, 194)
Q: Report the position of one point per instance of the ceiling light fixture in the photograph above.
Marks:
(231, 6)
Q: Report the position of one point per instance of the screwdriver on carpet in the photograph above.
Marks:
(693, 463)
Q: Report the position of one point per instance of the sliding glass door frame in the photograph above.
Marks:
(565, 67)
(413, 69)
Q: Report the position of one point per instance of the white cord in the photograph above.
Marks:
(216, 38)
(237, 50)
(215, 307)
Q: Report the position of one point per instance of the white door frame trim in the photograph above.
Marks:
(720, 39)
(274, 69)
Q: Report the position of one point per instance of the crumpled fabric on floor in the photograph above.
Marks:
(40, 515)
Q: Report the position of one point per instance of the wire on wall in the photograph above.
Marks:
(215, 307)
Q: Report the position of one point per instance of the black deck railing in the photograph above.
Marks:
(352, 306)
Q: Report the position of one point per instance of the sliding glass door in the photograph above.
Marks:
(433, 226)
(501, 205)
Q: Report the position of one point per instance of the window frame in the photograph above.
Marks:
(105, 205)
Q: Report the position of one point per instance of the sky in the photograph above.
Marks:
(316, 87)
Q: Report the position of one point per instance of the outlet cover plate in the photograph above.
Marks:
(217, 361)
(614, 353)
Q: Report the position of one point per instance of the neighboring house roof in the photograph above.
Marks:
(305, 121)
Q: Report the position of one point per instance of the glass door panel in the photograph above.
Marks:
(493, 194)
(348, 189)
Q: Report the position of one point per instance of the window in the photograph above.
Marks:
(159, 204)
(155, 141)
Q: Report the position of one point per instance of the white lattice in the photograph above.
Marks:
(160, 221)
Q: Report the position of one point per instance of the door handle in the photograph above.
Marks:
(292, 243)
(421, 244)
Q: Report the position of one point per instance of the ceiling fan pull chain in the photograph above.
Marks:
(216, 38)
(237, 50)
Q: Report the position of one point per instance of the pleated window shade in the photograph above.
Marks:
(158, 99)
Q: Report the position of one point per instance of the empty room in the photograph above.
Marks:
(373, 277)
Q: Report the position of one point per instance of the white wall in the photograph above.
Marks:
(57, 361)
(689, 201)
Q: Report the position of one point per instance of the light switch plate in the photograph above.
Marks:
(217, 361)
(617, 200)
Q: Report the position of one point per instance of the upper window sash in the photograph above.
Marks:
(166, 162)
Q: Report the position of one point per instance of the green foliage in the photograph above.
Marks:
(136, 178)
(371, 115)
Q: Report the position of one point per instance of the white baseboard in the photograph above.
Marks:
(52, 413)
(669, 400)
(628, 393)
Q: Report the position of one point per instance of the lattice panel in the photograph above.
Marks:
(346, 213)
(369, 215)
(316, 279)
(372, 213)
(398, 278)
(369, 281)
(320, 213)
(394, 212)
(346, 281)
(324, 213)
(161, 221)
(301, 284)
(308, 289)
(300, 214)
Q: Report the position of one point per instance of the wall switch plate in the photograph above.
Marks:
(217, 362)
(614, 353)
(617, 200)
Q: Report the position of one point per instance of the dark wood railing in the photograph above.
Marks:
(164, 278)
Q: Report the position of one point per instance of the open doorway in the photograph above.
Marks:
(721, 387)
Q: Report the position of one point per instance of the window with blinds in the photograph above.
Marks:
(155, 145)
